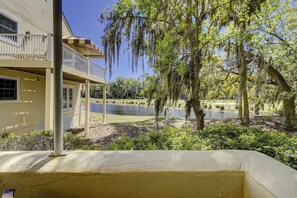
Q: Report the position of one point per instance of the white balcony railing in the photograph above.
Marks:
(39, 48)
(23, 46)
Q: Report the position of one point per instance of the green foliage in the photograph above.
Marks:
(42, 140)
(120, 88)
(167, 139)
(279, 145)
(201, 49)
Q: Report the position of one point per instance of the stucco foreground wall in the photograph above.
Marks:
(146, 174)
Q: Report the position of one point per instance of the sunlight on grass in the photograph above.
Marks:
(97, 117)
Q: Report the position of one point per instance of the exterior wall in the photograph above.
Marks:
(66, 30)
(28, 113)
(33, 15)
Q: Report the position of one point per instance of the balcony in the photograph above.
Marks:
(37, 49)
(232, 174)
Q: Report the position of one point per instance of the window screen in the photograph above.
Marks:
(8, 26)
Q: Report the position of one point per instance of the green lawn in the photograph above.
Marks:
(215, 104)
(118, 118)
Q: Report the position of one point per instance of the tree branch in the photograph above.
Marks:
(228, 71)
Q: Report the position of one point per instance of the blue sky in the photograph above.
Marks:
(82, 16)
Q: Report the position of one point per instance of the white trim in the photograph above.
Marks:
(18, 89)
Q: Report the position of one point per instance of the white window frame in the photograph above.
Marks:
(67, 87)
(18, 89)
(5, 39)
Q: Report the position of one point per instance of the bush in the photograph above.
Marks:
(279, 145)
(42, 140)
(167, 139)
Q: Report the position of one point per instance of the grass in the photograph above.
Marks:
(119, 118)
(228, 104)
(119, 101)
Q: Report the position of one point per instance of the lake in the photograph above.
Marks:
(149, 111)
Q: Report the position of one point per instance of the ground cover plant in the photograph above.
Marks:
(42, 140)
(281, 146)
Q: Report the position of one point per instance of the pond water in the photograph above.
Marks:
(149, 111)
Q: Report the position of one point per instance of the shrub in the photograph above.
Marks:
(279, 145)
(42, 140)
(167, 139)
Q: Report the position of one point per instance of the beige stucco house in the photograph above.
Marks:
(26, 68)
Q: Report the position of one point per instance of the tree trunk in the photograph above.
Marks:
(240, 103)
(257, 109)
(257, 102)
(244, 111)
(195, 96)
(290, 119)
(199, 114)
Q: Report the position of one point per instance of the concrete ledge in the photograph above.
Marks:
(146, 174)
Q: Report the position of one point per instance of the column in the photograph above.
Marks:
(104, 104)
(49, 100)
(58, 78)
(87, 107)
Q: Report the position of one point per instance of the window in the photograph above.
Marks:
(8, 26)
(70, 98)
(9, 88)
(67, 99)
